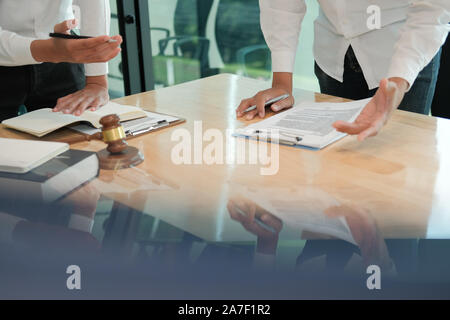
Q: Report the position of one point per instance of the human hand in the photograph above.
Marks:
(282, 84)
(366, 234)
(253, 218)
(93, 50)
(93, 96)
(378, 111)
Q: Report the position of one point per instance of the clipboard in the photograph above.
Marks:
(157, 128)
(72, 136)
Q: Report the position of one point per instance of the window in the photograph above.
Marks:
(191, 39)
(115, 76)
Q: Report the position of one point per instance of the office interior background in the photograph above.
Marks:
(192, 39)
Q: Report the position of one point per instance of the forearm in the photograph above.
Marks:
(45, 51)
(101, 81)
(283, 80)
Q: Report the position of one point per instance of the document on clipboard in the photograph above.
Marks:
(308, 124)
(133, 128)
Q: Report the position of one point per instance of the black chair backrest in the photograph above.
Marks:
(237, 27)
(191, 17)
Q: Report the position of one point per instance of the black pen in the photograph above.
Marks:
(149, 127)
(73, 37)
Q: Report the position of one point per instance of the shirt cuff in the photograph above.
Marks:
(96, 69)
(21, 50)
(400, 69)
(81, 223)
(283, 61)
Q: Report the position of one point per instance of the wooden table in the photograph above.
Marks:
(400, 179)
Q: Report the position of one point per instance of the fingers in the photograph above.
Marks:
(251, 114)
(260, 100)
(79, 102)
(65, 26)
(256, 229)
(234, 213)
(241, 211)
(283, 104)
(244, 105)
(118, 39)
(101, 52)
(272, 221)
(370, 132)
(349, 128)
(93, 42)
(62, 103)
(83, 105)
(69, 104)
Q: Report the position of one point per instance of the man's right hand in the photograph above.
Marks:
(92, 50)
(282, 84)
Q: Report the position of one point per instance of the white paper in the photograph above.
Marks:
(311, 121)
(303, 209)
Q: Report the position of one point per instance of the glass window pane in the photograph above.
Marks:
(197, 38)
(115, 76)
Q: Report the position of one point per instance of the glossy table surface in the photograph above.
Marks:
(393, 186)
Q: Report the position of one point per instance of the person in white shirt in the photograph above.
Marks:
(357, 59)
(38, 71)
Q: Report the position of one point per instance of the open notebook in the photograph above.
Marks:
(44, 121)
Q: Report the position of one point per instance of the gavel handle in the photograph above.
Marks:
(83, 138)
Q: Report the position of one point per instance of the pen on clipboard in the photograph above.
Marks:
(269, 103)
(147, 128)
(73, 36)
(294, 142)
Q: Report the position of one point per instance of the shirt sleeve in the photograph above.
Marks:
(281, 22)
(95, 21)
(424, 32)
(15, 50)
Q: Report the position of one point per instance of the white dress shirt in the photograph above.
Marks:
(411, 34)
(23, 21)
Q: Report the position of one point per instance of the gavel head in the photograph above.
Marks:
(113, 134)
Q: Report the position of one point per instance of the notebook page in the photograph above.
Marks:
(124, 112)
(41, 122)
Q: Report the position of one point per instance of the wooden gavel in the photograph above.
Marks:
(118, 154)
(113, 134)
